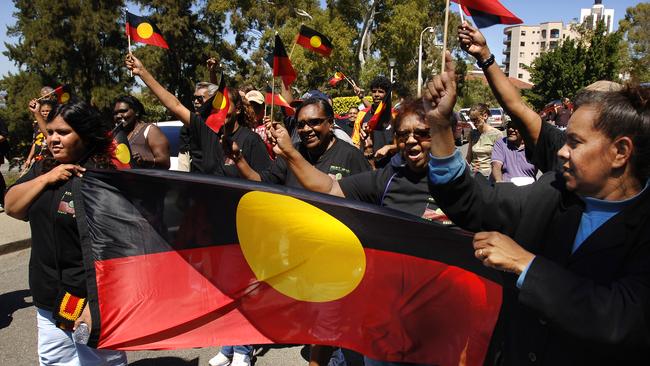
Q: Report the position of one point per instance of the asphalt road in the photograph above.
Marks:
(18, 328)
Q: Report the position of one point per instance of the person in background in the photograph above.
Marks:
(149, 145)
(563, 113)
(256, 100)
(509, 157)
(78, 137)
(347, 123)
(481, 140)
(38, 138)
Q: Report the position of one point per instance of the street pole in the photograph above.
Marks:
(431, 30)
(391, 62)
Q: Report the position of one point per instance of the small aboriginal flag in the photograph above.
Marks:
(120, 149)
(215, 110)
(63, 94)
(143, 30)
(282, 64)
(312, 40)
(338, 76)
(276, 99)
(486, 13)
(382, 113)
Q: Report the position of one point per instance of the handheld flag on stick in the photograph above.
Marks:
(382, 113)
(223, 270)
(281, 63)
(120, 149)
(486, 13)
(338, 76)
(215, 109)
(315, 41)
(277, 99)
(143, 30)
(63, 94)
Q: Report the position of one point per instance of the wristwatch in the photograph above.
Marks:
(485, 63)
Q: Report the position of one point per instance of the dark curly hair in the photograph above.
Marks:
(623, 113)
(381, 82)
(132, 102)
(92, 128)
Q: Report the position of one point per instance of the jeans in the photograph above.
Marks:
(56, 347)
(228, 351)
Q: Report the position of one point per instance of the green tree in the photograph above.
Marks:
(575, 64)
(635, 29)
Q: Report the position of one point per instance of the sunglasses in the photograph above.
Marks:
(197, 98)
(419, 135)
(313, 122)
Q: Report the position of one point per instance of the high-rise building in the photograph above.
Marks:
(524, 43)
(590, 17)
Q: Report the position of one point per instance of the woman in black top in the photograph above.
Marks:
(77, 137)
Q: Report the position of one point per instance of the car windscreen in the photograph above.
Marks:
(173, 134)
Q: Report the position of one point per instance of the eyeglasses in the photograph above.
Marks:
(419, 135)
(313, 122)
(120, 111)
(197, 98)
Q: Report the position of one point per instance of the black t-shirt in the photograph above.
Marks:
(4, 145)
(340, 160)
(382, 135)
(544, 154)
(397, 187)
(56, 262)
(253, 149)
(212, 155)
(346, 125)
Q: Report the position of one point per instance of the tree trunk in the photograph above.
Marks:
(365, 32)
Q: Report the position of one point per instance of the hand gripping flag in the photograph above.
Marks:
(143, 30)
(63, 94)
(182, 261)
(338, 76)
(315, 41)
(486, 13)
(215, 110)
(281, 63)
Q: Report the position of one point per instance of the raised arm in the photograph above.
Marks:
(473, 42)
(166, 98)
(35, 108)
(308, 176)
(232, 150)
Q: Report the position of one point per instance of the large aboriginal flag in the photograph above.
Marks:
(315, 41)
(281, 63)
(144, 30)
(486, 13)
(181, 261)
(215, 110)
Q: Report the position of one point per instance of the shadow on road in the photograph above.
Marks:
(165, 361)
(10, 302)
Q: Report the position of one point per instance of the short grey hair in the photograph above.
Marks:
(212, 88)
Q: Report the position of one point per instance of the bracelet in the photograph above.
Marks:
(487, 63)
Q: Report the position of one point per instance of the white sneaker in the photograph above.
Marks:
(219, 360)
(239, 359)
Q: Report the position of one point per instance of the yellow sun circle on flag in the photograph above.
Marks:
(122, 153)
(145, 30)
(298, 249)
(65, 97)
(315, 41)
(219, 102)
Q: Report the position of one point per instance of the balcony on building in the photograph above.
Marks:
(555, 33)
(506, 40)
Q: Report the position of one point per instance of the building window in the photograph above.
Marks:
(552, 45)
(523, 33)
(521, 65)
(521, 54)
(522, 44)
(555, 33)
(544, 33)
(520, 76)
(543, 45)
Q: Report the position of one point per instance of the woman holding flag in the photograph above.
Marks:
(77, 137)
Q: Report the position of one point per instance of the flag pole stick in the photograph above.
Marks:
(128, 39)
(272, 96)
(295, 40)
(444, 39)
(349, 81)
(462, 16)
(47, 95)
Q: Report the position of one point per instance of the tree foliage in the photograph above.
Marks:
(575, 64)
(635, 29)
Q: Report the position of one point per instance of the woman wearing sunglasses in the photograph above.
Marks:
(318, 148)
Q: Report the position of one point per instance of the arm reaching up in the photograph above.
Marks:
(439, 98)
(166, 98)
(473, 42)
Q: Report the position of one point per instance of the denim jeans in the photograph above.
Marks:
(228, 351)
(56, 347)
